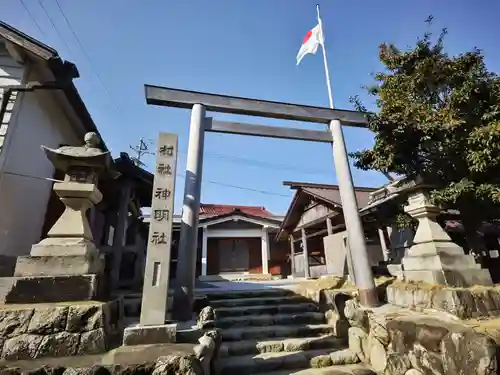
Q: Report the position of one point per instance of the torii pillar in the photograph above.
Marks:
(188, 242)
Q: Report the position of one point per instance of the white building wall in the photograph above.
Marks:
(24, 193)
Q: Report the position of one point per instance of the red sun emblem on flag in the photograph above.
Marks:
(307, 37)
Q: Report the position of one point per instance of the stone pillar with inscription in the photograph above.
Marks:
(65, 266)
(153, 327)
(433, 257)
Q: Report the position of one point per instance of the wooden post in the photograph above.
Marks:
(120, 234)
(307, 273)
(204, 252)
(292, 255)
(157, 272)
(329, 226)
(383, 243)
(265, 250)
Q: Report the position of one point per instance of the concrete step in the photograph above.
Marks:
(259, 301)
(269, 320)
(223, 312)
(249, 333)
(358, 369)
(255, 293)
(272, 361)
(238, 348)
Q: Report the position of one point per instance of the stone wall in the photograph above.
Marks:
(465, 303)
(195, 361)
(417, 344)
(58, 330)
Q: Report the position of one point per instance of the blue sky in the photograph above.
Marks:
(243, 48)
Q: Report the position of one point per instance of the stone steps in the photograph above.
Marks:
(283, 344)
(273, 361)
(277, 333)
(255, 293)
(270, 320)
(248, 333)
(357, 369)
(259, 301)
(223, 312)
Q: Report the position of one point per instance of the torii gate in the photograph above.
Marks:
(199, 103)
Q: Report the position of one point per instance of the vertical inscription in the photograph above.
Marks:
(156, 278)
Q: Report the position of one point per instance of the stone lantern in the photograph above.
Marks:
(65, 266)
(434, 257)
(71, 234)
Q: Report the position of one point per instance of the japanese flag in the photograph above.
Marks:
(311, 42)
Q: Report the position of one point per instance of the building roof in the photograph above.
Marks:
(210, 210)
(328, 195)
(39, 53)
(271, 221)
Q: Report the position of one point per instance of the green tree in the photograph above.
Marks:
(439, 118)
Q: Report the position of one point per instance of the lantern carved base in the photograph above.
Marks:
(68, 249)
(434, 258)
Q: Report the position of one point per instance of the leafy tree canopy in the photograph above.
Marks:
(439, 118)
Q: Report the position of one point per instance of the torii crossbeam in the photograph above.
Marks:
(199, 103)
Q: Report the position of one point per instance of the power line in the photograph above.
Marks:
(265, 192)
(54, 26)
(262, 164)
(254, 163)
(92, 66)
(32, 17)
(142, 149)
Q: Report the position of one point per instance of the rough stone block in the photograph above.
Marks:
(62, 344)
(403, 335)
(48, 320)
(21, 347)
(176, 364)
(358, 342)
(430, 336)
(465, 303)
(144, 335)
(321, 361)
(47, 289)
(427, 362)
(456, 278)
(14, 322)
(378, 328)
(57, 265)
(468, 352)
(85, 317)
(92, 342)
(113, 316)
(377, 355)
(397, 364)
(344, 357)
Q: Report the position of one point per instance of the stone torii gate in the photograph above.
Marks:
(199, 103)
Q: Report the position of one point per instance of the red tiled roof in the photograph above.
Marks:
(224, 209)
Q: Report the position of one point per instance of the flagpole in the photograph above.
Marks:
(325, 60)
(356, 249)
